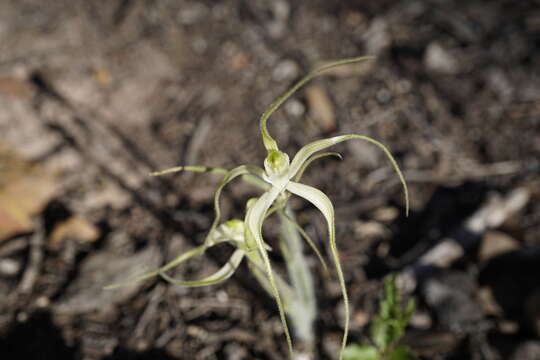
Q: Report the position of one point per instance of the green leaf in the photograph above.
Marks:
(323, 203)
(269, 142)
(360, 352)
(219, 276)
(390, 323)
(383, 334)
(305, 152)
(401, 353)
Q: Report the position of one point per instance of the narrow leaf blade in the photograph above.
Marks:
(360, 352)
(402, 353)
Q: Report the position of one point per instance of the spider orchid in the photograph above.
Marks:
(279, 180)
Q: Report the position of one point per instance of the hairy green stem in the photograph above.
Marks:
(303, 308)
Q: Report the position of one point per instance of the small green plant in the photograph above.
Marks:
(278, 180)
(387, 328)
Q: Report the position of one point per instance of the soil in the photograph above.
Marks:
(97, 94)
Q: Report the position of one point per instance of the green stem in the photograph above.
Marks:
(303, 308)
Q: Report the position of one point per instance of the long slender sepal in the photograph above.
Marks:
(269, 142)
(323, 203)
(305, 152)
(230, 176)
(228, 232)
(192, 168)
(219, 276)
(300, 172)
(177, 261)
(249, 178)
(254, 219)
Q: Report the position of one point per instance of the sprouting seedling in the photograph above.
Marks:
(279, 179)
(387, 328)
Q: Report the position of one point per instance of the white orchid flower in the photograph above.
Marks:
(280, 173)
(279, 180)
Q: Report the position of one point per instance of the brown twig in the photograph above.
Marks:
(35, 259)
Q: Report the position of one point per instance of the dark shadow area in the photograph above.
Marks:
(513, 278)
(36, 339)
(442, 216)
(54, 213)
(125, 354)
(447, 208)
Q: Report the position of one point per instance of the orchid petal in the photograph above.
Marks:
(192, 168)
(282, 202)
(323, 203)
(249, 178)
(305, 152)
(269, 142)
(219, 276)
(230, 176)
(257, 181)
(177, 261)
(254, 219)
(306, 163)
(276, 207)
(219, 236)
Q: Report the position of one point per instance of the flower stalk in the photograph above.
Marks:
(303, 309)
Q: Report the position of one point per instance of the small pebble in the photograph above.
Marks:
(421, 320)
(9, 267)
(295, 108)
(285, 70)
(440, 60)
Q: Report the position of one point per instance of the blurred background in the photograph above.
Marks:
(96, 94)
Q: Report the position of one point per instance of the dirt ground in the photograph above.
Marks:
(96, 94)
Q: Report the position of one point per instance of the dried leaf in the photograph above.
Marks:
(24, 191)
(103, 77)
(75, 228)
(15, 87)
